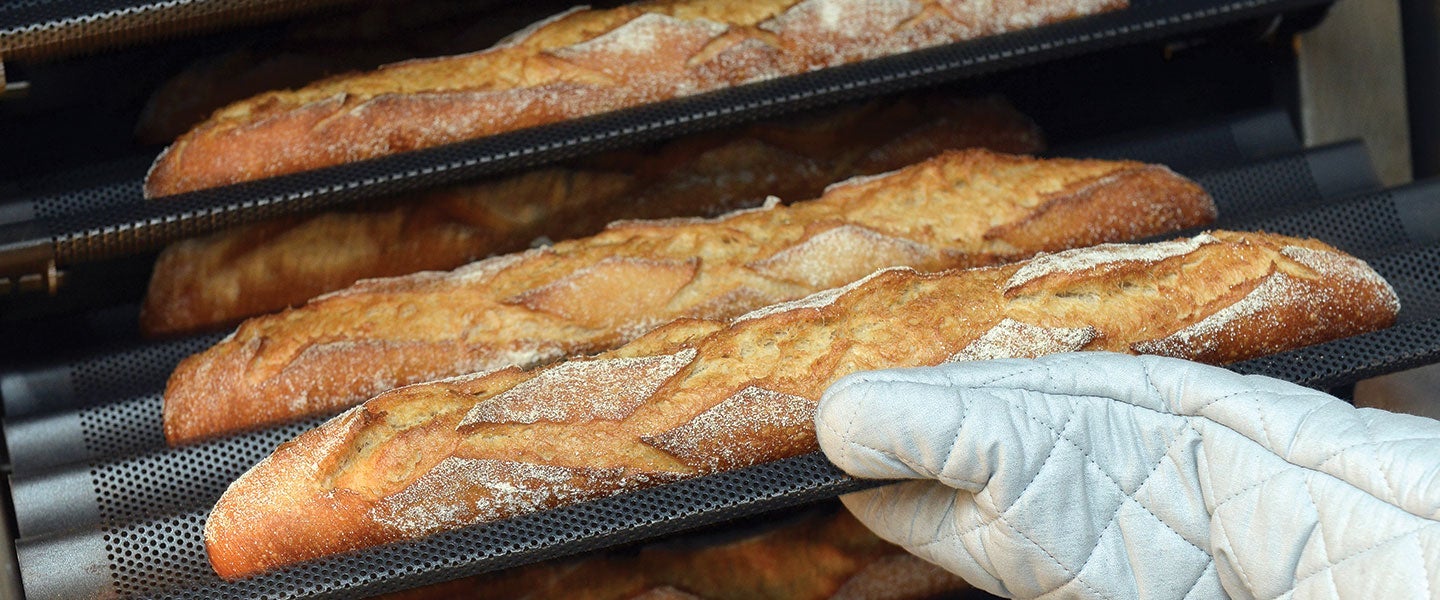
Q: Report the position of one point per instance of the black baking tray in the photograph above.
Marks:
(131, 228)
(106, 374)
(1200, 147)
(75, 411)
(146, 544)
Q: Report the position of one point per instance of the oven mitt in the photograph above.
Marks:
(1097, 475)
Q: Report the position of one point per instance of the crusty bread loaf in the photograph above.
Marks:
(577, 63)
(365, 35)
(698, 396)
(218, 280)
(962, 208)
(824, 554)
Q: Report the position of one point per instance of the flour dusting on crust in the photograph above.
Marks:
(770, 203)
(1277, 290)
(1013, 339)
(336, 443)
(818, 299)
(840, 254)
(641, 35)
(860, 180)
(485, 270)
(461, 491)
(996, 16)
(464, 378)
(1080, 259)
(1341, 267)
(725, 434)
(520, 36)
(475, 272)
(849, 18)
(582, 390)
(835, 32)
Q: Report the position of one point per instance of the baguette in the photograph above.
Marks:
(366, 35)
(963, 208)
(216, 281)
(696, 396)
(577, 63)
(824, 554)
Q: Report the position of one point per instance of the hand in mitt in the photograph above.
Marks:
(1097, 475)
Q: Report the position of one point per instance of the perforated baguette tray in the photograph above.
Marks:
(132, 227)
(143, 534)
(1207, 146)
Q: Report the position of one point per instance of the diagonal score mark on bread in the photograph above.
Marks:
(579, 63)
(437, 456)
(582, 390)
(605, 294)
(960, 209)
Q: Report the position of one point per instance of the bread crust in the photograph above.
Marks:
(720, 395)
(590, 294)
(218, 280)
(578, 63)
(365, 36)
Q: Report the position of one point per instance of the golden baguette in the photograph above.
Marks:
(960, 209)
(699, 396)
(220, 279)
(366, 35)
(577, 63)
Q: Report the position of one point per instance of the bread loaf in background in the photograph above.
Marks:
(822, 554)
(217, 280)
(363, 34)
(699, 396)
(963, 208)
(577, 63)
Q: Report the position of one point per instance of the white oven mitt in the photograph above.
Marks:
(1097, 475)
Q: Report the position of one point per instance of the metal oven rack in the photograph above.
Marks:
(105, 509)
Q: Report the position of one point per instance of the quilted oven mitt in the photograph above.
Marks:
(1096, 475)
